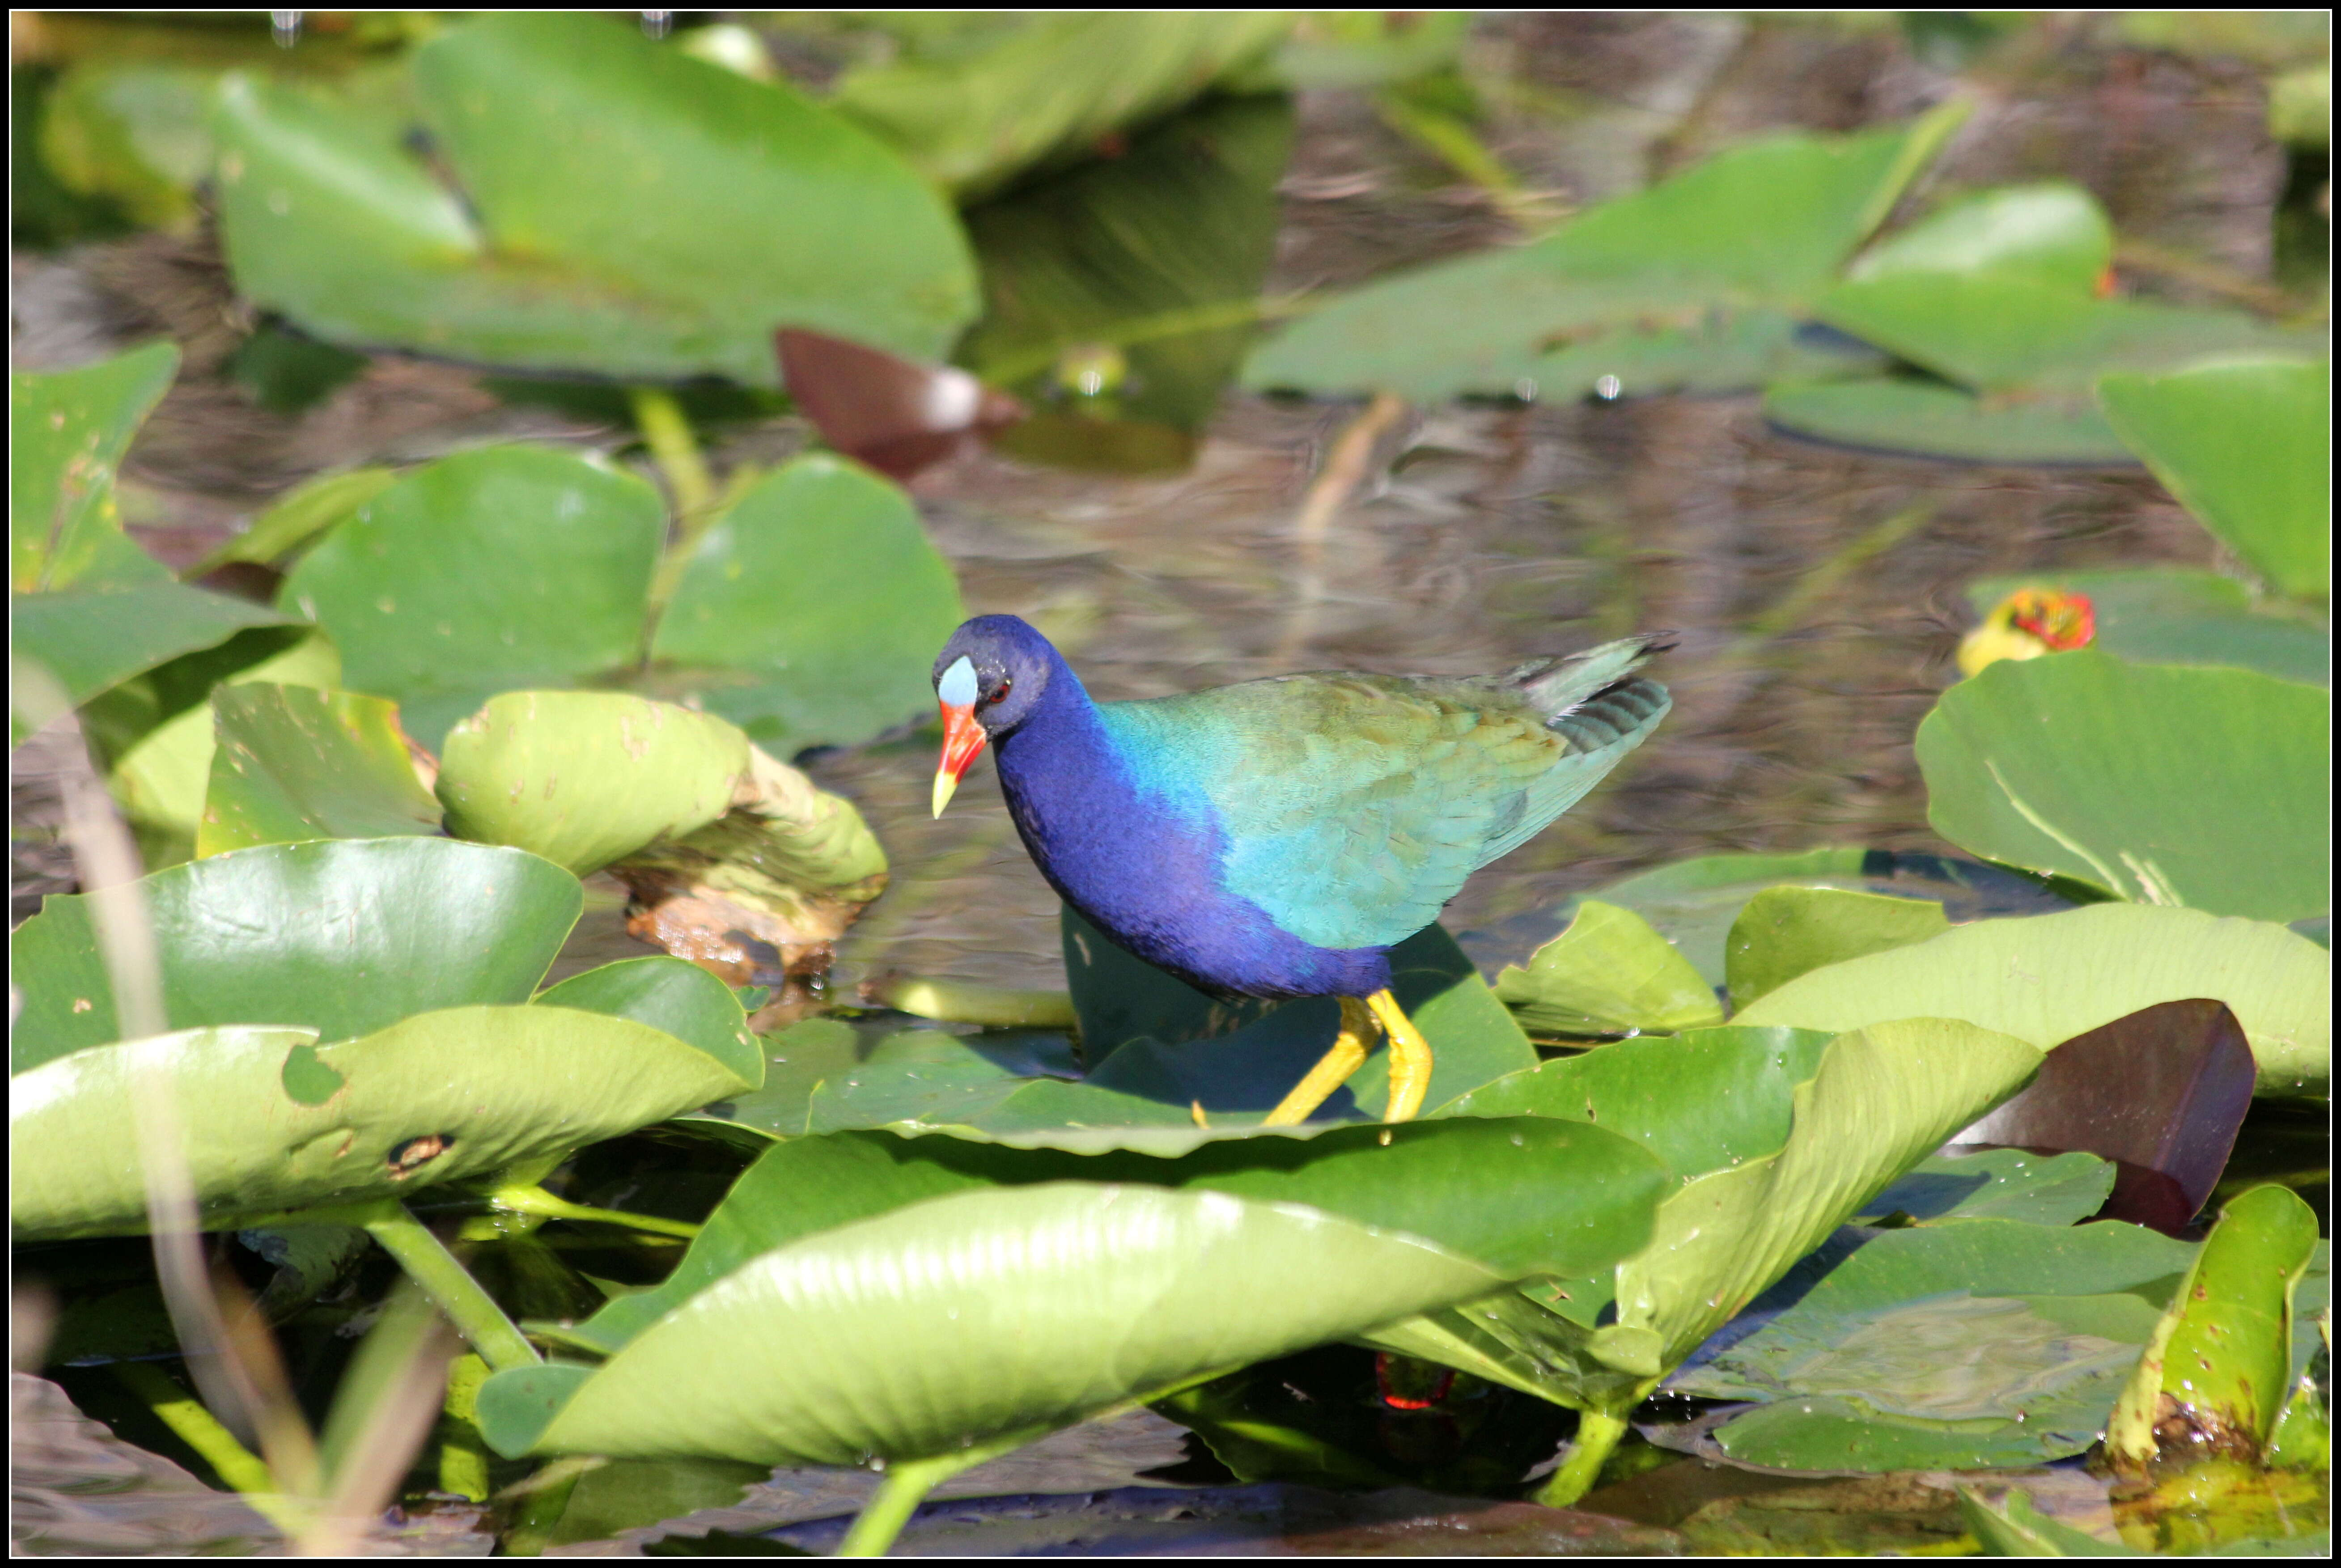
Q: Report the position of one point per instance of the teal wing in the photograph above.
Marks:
(1355, 806)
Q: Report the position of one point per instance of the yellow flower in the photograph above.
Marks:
(2027, 623)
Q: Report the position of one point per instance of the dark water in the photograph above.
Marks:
(1816, 597)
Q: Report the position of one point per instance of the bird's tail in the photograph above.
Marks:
(1559, 686)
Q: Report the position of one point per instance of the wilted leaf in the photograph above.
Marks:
(293, 762)
(2050, 977)
(442, 1096)
(344, 937)
(502, 568)
(2201, 787)
(810, 610)
(2246, 445)
(1609, 973)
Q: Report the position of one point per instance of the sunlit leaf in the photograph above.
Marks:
(344, 937)
(274, 1122)
(502, 568)
(2246, 444)
(67, 432)
(1785, 932)
(811, 611)
(669, 994)
(2050, 977)
(2201, 787)
(1996, 1183)
(1609, 973)
(293, 762)
(2053, 234)
(585, 778)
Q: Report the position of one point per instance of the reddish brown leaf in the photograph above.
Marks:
(897, 415)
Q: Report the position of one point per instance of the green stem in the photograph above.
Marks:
(200, 1430)
(450, 1286)
(906, 1486)
(1597, 1433)
(667, 432)
(535, 1200)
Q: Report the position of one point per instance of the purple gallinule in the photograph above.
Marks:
(1277, 837)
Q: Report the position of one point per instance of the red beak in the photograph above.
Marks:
(962, 738)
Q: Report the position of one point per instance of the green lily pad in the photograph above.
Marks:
(1876, 1102)
(2201, 787)
(1919, 416)
(1766, 223)
(826, 1077)
(2049, 978)
(1785, 932)
(2053, 234)
(276, 1123)
(2245, 444)
(973, 120)
(345, 936)
(1582, 1196)
(979, 1317)
(674, 996)
(293, 762)
(2170, 615)
(161, 765)
(810, 610)
(1609, 973)
(302, 513)
(1998, 334)
(2218, 1367)
(1990, 1342)
(491, 570)
(67, 432)
(614, 210)
(1998, 1184)
(1158, 1038)
(586, 778)
(1705, 351)
(93, 638)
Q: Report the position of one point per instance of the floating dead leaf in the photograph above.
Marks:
(900, 416)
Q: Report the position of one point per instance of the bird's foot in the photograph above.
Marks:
(1332, 1069)
(1410, 1058)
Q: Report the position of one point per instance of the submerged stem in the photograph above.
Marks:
(449, 1284)
(1597, 1433)
(200, 1430)
(535, 1200)
(906, 1486)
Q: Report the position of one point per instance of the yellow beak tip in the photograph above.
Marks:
(945, 787)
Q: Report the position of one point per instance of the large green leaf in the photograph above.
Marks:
(341, 935)
(1986, 1343)
(67, 432)
(1998, 1184)
(1880, 1098)
(98, 635)
(2174, 615)
(972, 121)
(1785, 932)
(1151, 1036)
(811, 611)
(672, 994)
(293, 762)
(1609, 973)
(274, 1122)
(977, 1317)
(2053, 234)
(623, 208)
(2049, 978)
(502, 568)
(586, 778)
(1766, 223)
(2247, 445)
(1580, 1196)
(830, 1077)
(2201, 787)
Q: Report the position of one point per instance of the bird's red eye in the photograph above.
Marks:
(1000, 695)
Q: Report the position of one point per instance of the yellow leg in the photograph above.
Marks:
(1410, 1057)
(1331, 1071)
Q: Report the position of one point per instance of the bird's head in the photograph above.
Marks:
(988, 679)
